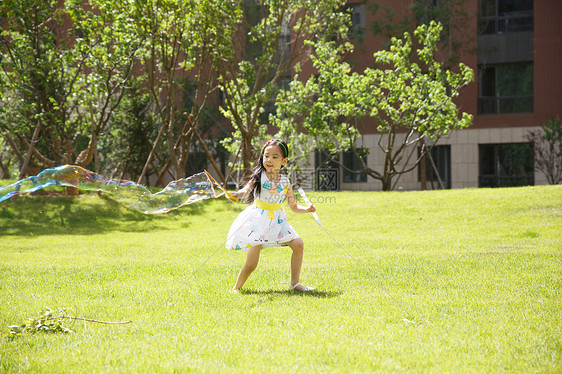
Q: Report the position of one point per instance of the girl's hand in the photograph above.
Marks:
(231, 196)
(311, 208)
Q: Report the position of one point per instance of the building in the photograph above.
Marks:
(515, 47)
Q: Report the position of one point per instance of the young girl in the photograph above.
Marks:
(264, 223)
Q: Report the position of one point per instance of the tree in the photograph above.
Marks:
(409, 97)
(108, 40)
(6, 159)
(269, 43)
(64, 72)
(186, 39)
(127, 144)
(547, 145)
(38, 75)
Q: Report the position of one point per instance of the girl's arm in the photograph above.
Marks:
(240, 193)
(243, 191)
(293, 203)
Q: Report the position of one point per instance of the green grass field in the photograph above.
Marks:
(446, 281)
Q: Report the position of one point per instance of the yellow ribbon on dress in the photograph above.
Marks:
(267, 206)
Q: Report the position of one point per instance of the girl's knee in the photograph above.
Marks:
(297, 245)
(252, 258)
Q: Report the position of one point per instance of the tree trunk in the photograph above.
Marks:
(183, 145)
(30, 150)
(423, 173)
(151, 155)
(388, 166)
(210, 157)
(423, 166)
(247, 154)
(71, 191)
(178, 172)
(386, 183)
(87, 155)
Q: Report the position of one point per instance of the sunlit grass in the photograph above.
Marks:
(445, 281)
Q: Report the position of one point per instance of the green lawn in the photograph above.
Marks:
(447, 281)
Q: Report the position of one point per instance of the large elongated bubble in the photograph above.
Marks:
(176, 194)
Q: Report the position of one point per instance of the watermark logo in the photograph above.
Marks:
(314, 199)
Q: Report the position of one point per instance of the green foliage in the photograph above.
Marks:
(547, 146)
(250, 79)
(45, 322)
(183, 37)
(109, 44)
(67, 66)
(553, 130)
(418, 96)
(408, 90)
(128, 144)
(38, 71)
(64, 68)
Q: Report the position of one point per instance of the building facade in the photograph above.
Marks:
(515, 50)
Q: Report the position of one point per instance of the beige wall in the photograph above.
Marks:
(464, 157)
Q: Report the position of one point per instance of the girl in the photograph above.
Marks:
(264, 223)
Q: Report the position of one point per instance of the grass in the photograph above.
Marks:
(446, 281)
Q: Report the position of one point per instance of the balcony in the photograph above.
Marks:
(510, 23)
(505, 104)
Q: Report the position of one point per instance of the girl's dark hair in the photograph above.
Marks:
(255, 178)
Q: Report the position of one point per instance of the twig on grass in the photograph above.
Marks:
(86, 319)
(47, 323)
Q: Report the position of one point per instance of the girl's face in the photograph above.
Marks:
(273, 158)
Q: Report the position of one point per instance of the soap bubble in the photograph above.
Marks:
(176, 194)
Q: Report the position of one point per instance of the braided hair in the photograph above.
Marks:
(255, 178)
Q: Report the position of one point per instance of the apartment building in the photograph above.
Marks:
(515, 49)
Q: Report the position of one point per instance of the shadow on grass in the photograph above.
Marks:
(315, 293)
(56, 215)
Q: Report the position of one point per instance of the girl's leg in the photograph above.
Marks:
(252, 259)
(297, 246)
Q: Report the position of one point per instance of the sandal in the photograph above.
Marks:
(303, 289)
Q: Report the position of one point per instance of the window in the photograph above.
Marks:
(441, 157)
(253, 13)
(506, 165)
(505, 16)
(327, 172)
(505, 88)
(284, 43)
(358, 22)
(351, 162)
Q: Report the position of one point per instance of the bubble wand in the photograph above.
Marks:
(229, 195)
(301, 192)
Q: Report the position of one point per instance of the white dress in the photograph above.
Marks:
(258, 226)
